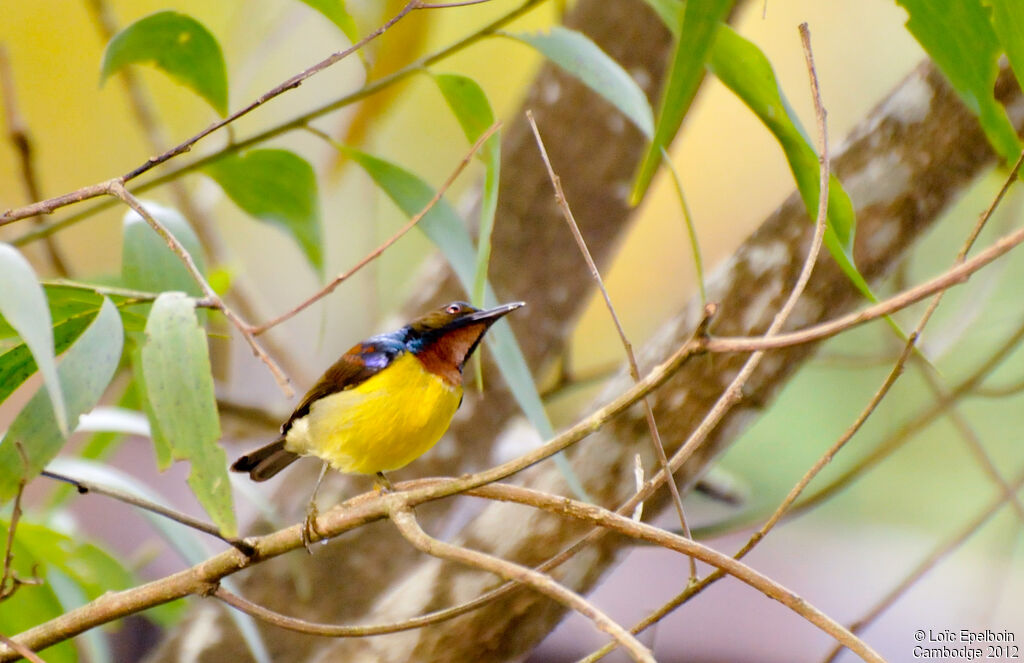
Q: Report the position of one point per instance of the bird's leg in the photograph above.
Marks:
(383, 483)
(309, 525)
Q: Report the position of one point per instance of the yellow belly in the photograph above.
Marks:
(382, 424)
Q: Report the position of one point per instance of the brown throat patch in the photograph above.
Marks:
(445, 356)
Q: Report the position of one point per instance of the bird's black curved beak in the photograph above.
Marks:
(492, 315)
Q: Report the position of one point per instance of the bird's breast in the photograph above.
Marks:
(382, 424)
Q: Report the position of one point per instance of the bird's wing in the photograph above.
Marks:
(361, 362)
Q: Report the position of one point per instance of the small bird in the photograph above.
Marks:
(384, 403)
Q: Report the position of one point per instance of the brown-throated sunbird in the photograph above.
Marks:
(384, 403)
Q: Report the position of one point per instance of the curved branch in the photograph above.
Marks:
(414, 534)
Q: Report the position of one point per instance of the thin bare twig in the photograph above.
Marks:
(930, 561)
(200, 220)
(406, 523)
(372, 255)
(202, 578)
(9, 582)
(733, 392)
(299, 122)
(84, 487)
(827, 457)
(447, 5)
(24, 651)
(628, 527)
(10, 577)
(343, 630)
(634, 371)
(691, 228)
(48, 206)
(944, 281)
(116, 188)
(935, 384)
(17, 131)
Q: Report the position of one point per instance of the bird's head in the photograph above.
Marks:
(445, 338)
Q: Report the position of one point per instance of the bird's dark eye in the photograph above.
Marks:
(453, 308)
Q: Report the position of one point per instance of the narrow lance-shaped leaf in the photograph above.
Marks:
(86, 370)
(471, 108)
(17, 363)
(744, 69)
(959, 38)
(23, 307)
(179, 387)
(693, 45)
(179, 45)
(577, 54)
(147, 263)
(279, 187)
(72, 307)
(69, 299)
(446, 230)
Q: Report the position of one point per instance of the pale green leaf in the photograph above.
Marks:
(279, 187)
(23, 306)
(85, 371)
(959, 38)
(337, 13)
(69, 299)
(581, 57)
(471, 108)
(179, 45)
(179, 387)
(32, 604)
(696, 34)
(743, 68)
(148, 263)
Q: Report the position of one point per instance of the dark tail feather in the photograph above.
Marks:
(266, 461)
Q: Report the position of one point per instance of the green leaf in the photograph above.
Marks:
(72, 307)
(91, 568)
(23, 306)
(161, 445)
(471, 108)
(179, 45)
(17, 364)
(32, 604)
(696, 36)
(744, 69)
(337, 13)
(86, 370)
(73, 571)
(581, 57)
(147, 263)
(69, 299)
(1008, 22)
(469, 104)
(446, 230)
(279, 187)
(960, 39)
(179, 386)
